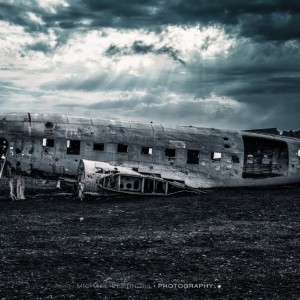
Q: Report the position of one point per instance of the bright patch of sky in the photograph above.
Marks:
(84, 56)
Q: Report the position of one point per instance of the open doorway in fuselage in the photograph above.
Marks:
(265, 157)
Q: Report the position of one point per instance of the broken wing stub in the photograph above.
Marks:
(100, 178)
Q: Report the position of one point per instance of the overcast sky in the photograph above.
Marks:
(229, 64)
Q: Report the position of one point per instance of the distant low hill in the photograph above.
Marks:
(295, 134)
(291, 133)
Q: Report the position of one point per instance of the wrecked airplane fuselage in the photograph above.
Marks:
(184, 157)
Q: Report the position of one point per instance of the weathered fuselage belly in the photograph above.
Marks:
(91, 181)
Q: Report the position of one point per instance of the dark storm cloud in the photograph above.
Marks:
(266, 19)
(170, 52)
(138, 47)
(276, 20)
(280, 85)
(40, 47)
(271, 20)
(268, 68)
(17, 15)
(113, 50)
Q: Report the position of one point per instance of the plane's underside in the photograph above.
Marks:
(143, 159)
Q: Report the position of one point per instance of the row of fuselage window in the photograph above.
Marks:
(73, 147)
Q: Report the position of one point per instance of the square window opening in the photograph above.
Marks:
(170, 152)
(235, 159)
(73, 147)
(147, 150)
(216, 156)
(299, 153)
(98, 147)
(122, 148)
(48, 142)
(193, 157)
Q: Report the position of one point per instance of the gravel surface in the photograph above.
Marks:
(227, 244)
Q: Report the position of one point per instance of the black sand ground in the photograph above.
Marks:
(229, 244)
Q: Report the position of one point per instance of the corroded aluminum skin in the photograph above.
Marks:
(26, 132)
